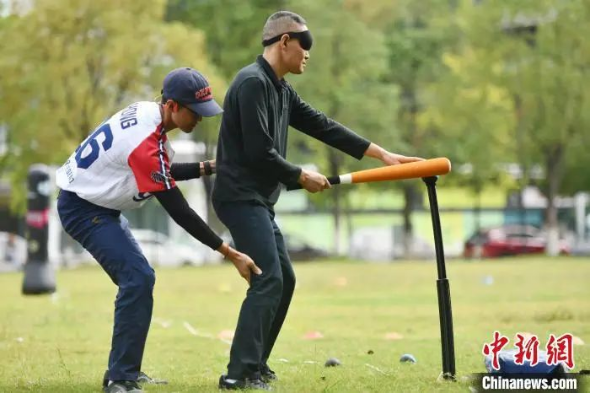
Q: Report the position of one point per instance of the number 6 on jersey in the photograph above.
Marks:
(85, 162)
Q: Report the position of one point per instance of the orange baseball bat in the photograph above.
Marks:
(412, 170)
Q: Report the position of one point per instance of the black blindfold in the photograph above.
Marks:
(304, 37)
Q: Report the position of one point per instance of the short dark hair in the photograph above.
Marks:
(281, 22)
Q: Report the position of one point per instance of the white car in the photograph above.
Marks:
(161, 251)
(13, 251)
(384, 244)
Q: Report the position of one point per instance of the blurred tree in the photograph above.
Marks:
(558, 87)
(477, 119)
(537, 53)
(234, 28)
(81, 61)
(576, 174)
(5, 22)
(344, 79)
(417, 33)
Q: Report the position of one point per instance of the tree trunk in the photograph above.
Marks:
(208, 183)
(554, 162)
(477, 209)
(349, 224)
(521, 155)
(334, 161)
(408, 114)
(410, 193)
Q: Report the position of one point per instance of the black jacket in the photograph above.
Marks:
(252, 147)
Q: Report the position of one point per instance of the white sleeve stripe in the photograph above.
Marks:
(162, 165)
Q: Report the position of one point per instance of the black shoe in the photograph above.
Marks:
(143, 378)
(267, 374)
(240, 384)
(122, 387)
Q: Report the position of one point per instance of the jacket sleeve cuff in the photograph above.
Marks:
(360, 152)
(292, 176)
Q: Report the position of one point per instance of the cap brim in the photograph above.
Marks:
(206, 109)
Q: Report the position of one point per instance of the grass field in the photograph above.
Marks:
(60, 343)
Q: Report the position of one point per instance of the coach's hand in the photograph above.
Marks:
(241, 261)
(244, 264)
(313, 181)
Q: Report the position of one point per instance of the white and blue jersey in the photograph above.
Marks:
(124, 160)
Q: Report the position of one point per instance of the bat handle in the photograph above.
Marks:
(332, 179)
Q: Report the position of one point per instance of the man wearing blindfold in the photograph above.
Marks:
(259, 108)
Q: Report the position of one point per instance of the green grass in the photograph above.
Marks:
(60, 343)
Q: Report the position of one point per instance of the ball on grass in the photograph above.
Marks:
(332, 362)
(407, 358)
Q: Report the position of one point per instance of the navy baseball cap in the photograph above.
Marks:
(190, 88)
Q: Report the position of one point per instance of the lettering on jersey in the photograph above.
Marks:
(69, 172)
(159, 177)
(142, 196)
(129, 116)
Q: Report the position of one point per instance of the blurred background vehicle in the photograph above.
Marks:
(509, 240)
(387, 244)
(299, 249)
(581, 248)
(162, 251)
(13, 251)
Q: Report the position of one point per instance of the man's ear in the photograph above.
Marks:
(284, 39)
(173, 105)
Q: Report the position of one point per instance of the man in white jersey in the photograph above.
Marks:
(124, 162)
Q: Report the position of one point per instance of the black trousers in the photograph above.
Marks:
(263, 312)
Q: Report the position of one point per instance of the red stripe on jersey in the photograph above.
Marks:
(150, 164)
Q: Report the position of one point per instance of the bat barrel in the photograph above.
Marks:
(412, 170)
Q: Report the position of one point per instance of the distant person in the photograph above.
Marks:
(124, 162)
(258, 109)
